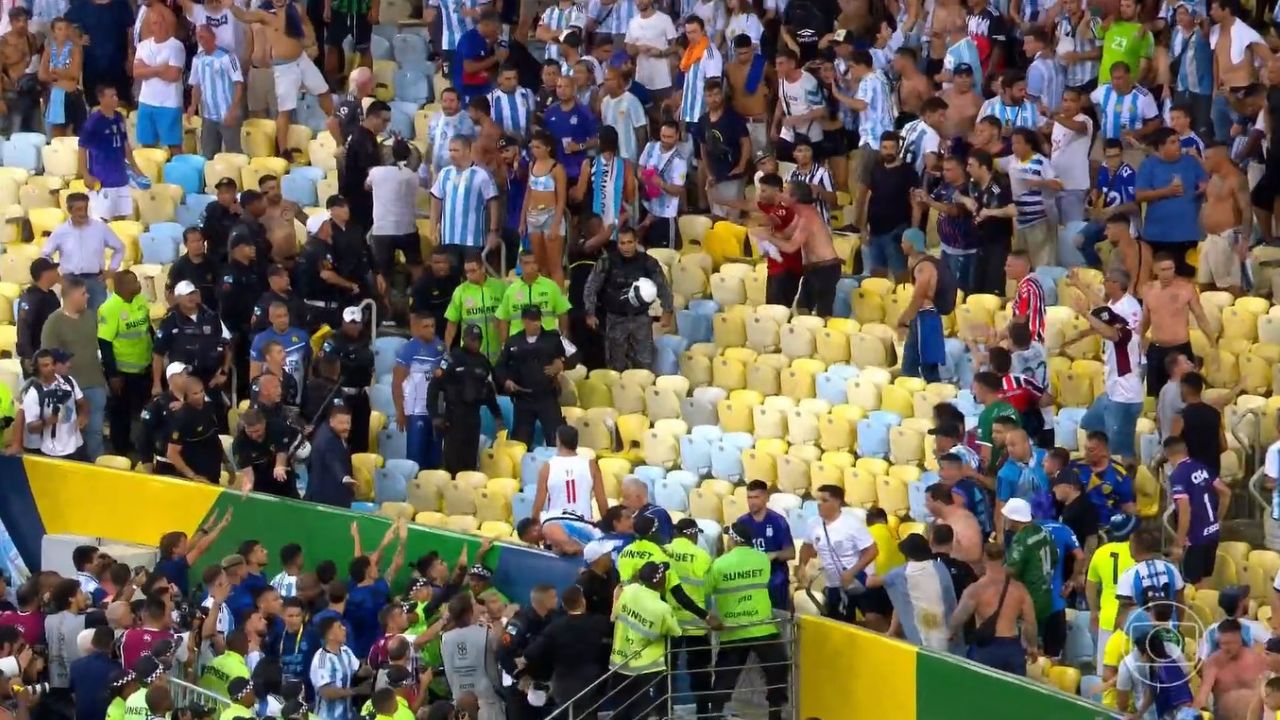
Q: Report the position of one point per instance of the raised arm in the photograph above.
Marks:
(206, 536)
(397, 559)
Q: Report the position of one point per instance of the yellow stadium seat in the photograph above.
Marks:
(832, 346)
(759, 465)
(733, 507)
(1254, 305)
(496, 464)
(1255, 373)
(44, 220)
(763, 333)
(793, 474)
(426, 491)
(775, 447)
(661, 403)
(1221, 368)
(659, 448)
(867, 351)
(802, 427)
(728, 373)
(746, 356)
(430, 518)
(859, 488)
(677, 384)
(118, 462)
(835, 433)
(862, 393)
(396, 510)
(594, 393)
(258, 138)
(462, 523)
(459, 498)
(905, 445)
(728, 330)
(838, 458)
(796, 341)
(768, 422)
(496, 529)
(693, 228)
(706, 505)
(492, 505)
(824, 473)
(797, 384)
(1268, 560)
(1224, 572)
(151, 161)
(761, 376)
(362, 467)
(1237, 322)
(1065, 678)
(628, 397)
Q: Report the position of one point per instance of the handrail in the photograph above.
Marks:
(1245, 443)
(1254, 486)
(373, 317)
(566, 709)
(502, 264)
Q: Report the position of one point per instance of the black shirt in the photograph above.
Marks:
(196, 430)
(995, 195)
(241, 285)
(34, 307)
(524, 361)
(722, 142)
(1201, 429)
(349, 114)
(362, 155)
(262, 315)
(218, 221)
(317, 256)
(597, 590)
(1081, 515)
(890, 206)
(203, 274)
(352, 256)
(261, 456)
(155, 424)
(573, 651)
(962, 574)
(195, 341)
(250, 226)
(808, 22)
(431, 294)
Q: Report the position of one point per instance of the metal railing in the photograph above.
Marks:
(701, 687)
(185, 694)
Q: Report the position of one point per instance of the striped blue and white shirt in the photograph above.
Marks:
(1026, 115)
(614, 18)
(464, 194)
(330, 668)
(512, 111)
(1045, 82)
(877, 118)
(624, 114)
(215, 74)
(918, 140)
(711, 65)
(1150, 580)
(743, 23)
(285, 584)
(1027, 199)
(1195, 71)
(558, 18)
(452, 22)
(1071, 38)
(1120, 113)
(671, 167)
(440, 130)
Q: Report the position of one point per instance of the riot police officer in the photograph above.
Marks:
(197, 266)
(522, 629)
(193, 335)
(529, 369)
(355, 358)
(241, 285)
(466, 379)
(262, 456)
(279, 290)
(325, 291)
(156, 416)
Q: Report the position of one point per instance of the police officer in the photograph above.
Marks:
(124, 342)
(195, 336)
(691, 563)
(241, 284)
(352, 254)
(279, 290)
(433, 290)
(324, 291)
(528, 369)
(738, 585)
(253, 209)
(35, 305)
(628, 328)
(262, 456)
(219, 217)
(194, 447)
(466, 379)
(197, 266)
(355, 359)
(156, 416)
(269, 400)
(638, 657)
(522, 629)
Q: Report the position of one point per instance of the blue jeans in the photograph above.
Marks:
(1118, 420)
(926, 329)
(422, 446)
(1093, 233)
(1071, 206)
(1003, 653)
(885, 251)
(963, 268)
(96, 397)
(1223, 118)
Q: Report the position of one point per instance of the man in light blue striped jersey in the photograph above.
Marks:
(556, 19)
(510, 105)
(466, 206)
(1079, 46)
(445, 125)
(1126, 112)
(1045, 79)
(612, 17)
(456, 17)
(1030, 174)
(874, 102)
(701, 62)
(1011, 107)
(332, 672)
(1192, 69)
(217, 88)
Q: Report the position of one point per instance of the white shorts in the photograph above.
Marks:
(110, 203)
(1103, 636)
(1219, 265)
(292, 77)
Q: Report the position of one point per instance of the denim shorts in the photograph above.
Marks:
(1118, 420)
(885, 251)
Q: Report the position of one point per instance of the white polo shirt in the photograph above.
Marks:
(840, 544)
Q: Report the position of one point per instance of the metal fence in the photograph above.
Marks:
(186, 694)
(753, 679)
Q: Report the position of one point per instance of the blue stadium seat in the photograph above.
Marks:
(671, 495)
(187, 174)
(34, 139)
(379, 47)
(1148, 447)
(1091, 688)
(959, 367)
(157, 249)
(17, 154)
(521, 505)
(392, 443)
(666, 362)
(385, 350)
(704, 306)
(530, 465)
(410, 51)
(314, 174)
(170, 230)
(649, 474)
(364, 507)
(1079, 647)
(831, 387)
(873, 439)
(1049, 275)
(685, 478)
(885, 418)
(695, 454)
(380, 399)
(726, 461)
(915, 499)
(191, 212)
(407, 469)
(412, 86)
(299, 189)
(798, 521)
(844, 371)
(693, 326)
(389, 487)
(844, 298)
(383, 379)
(675, 343)
(740, 440)
(809, 509)
(709, 433)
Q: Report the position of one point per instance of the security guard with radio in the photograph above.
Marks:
(529, 369)
(521, 631)
(156, 416)
(195, 336)
(325, 291)
(738, 586)
(465, 378)
(691, 563)
(355, 374)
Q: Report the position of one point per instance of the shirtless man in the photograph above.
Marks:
(484, 151)
(941, 502)
(812, 236)
(1227, 217)
(998, 601)
(752, 105)
(260, 83)
(1234, 67)
(1168, 303)
(17, 47)
(1231, 675)
(962, 102)
(291, 68)
(948, 26)
(914, 87)
(279, 210)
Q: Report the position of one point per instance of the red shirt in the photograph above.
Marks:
(137, 642)
(781, 217)
(30, 624)
(1028, 302)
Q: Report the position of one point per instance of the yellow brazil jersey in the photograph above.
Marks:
(889, 556)
(1116, 648)
(1105, 568)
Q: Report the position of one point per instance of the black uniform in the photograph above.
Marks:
(574, 651)
(521, 632)
(355, 375)
(260, 456)
(353, 256)
(289, 394)
(218, 221)
(317, 398)
(466, 379)
(155, 432)
(349, 114)
(196, 430)
(240, 284)
(324, 301)
(204, 275)
(34, 307)
(523, 363)
(197, 342)
(250, 227)
(362, 154)
(297, 311)
(431, 294)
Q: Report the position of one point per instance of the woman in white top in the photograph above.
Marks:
(542, 217)
(742, 21)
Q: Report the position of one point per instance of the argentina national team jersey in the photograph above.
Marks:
(1024, 115)
(452, 23)
(710, 65)
(1029, 200)
(877, 118)
(420, 360)
(612, 18)
(671, 168)
(1045, 82)
(558, 18)
(1082, 38)
(918, 140)
(215, 74)
(512, 111)
(443, 128)
(464, 194)
(285, 584)
(1195, 69)
(330, 669)
(1118, 113)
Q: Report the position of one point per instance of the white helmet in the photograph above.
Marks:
(643, 292)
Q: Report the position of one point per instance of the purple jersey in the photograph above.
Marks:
(104, 139)
(1192, 480)
(772, 534)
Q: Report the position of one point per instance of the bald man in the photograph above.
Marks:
(350, 112)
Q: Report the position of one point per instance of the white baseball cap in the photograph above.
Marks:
(595, 550)
(175, 368)
(186, 287)
(352, 314)
(316, 221)
(1017, 510)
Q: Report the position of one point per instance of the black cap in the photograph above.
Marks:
(1273, 644)
(238, 239)
(531, 312)
(239, 688)
(1067, 476)
(688, 526)
(40, 266)
(947, 430)
(915, 547)
(472, 332)
(399, 676)
(480, 571)
(962, 69)
(644, 525)
(652, 572)
(507, 141)
(145, 669)
(225, 183)
(740, 532)
(61, 356)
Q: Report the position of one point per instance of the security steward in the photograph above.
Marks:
(197, 266)
(325, 292)
(525, 627)
(279, 290)
(262, 456)
(249, 225)
(466, 380)
(646, 549)
(219, 217)
(690, 563)
(124, 344)
(738, 585)
(194, 447)
(156, 417)
(638, 657)
(195, 336)
(241, 284)
(355, 374)
(529, 369)
(35, 305)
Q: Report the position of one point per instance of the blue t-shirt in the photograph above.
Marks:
(106, 48)
(297, 350)
(420, 361)
(1117, 190)
(363, 604)
(1067, 543)
(1175, 219)
(90, 680)
(1172, 687)
(104, 139)
(975, 498)
(641, 92)
(772, 534)
(240, 601)
(576, 124)
(1022, 480)
(177, 571)
(1108, 489)
(471, 46)
(1192, 480)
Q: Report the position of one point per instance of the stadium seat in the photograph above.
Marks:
(671, 495)
(492, 505)
(389, 486)
(1065, 678)
(706, 505)
(426, 490)
(793, 473)
(117, 462)
(768, 422)
(430, 519)
(695, 454)
(462, 523)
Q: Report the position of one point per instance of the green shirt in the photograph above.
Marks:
(544, 293)
(690, 563)
(402, 711)
(1032, 557)
(473, 304)
(135, 707)
(430, 653)
(221, 671)
(738, 585)
(1127, 41)
(115, 711)
(234, 711)
(351, 7)
(993, 410)
(127, 326)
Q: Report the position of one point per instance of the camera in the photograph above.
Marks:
(34, 690)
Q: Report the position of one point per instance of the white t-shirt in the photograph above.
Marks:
(656, 31)
(1127, 388)
(394, 189)
(569, 485)
(1070, 158)
(227, 32)
(155, 91)
(801, 97)
(63, 438)
(224, 626)
(839, 544)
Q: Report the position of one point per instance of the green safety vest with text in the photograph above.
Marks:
(642, 623)
(634, 556)
(402, 711)
(430, 653)
(690, 564)
(738, 586)
(219, 673)
(127, 325)
(135, 707)
(234, 712)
